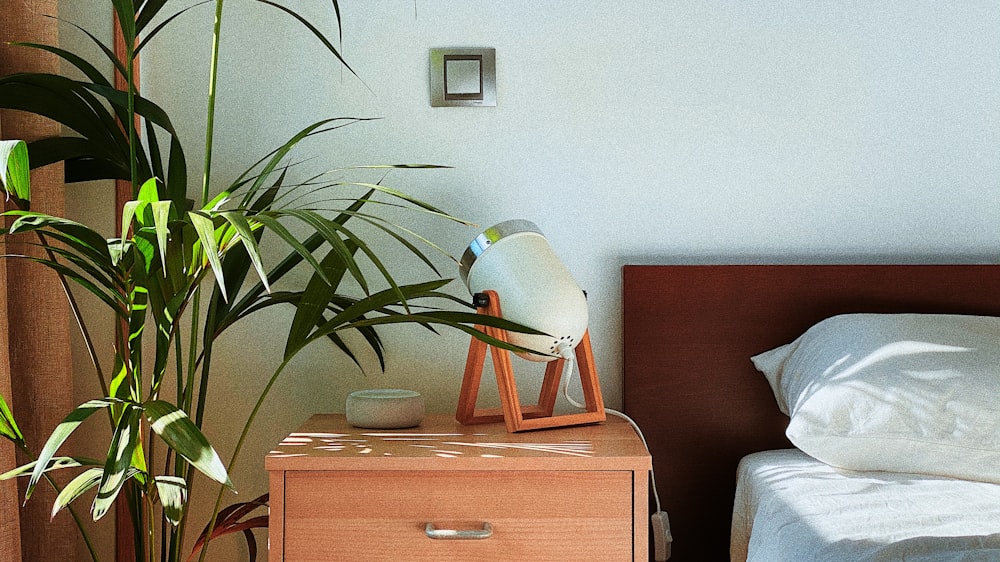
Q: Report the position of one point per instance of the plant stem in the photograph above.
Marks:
(206, 180)
(186, 401)
(75, 308)
(130, 126)
(136, 512)
(72, 512)
(236, 453)
(210, 122)
(76, 519)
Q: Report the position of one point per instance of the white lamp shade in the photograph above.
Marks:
(535, 289)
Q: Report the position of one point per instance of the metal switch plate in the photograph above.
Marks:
(463, 77)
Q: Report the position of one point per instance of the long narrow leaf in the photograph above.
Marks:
(311, 243)
(236, 266)
(125, 10)
(278, 155)
(319, 35)
(64, 101)
(229, 522)
(108, 282)
(109, 54)
(78, 236)
(124, 441)
(176, 182)
(329, 230)
(179, 432)
(242, 226)
(314, 300)
(462, 325)
(80, 484)
(173, 493)
(72, 275)
(76, 488)
(247, 176)
(143, 106)
(81, 156)
(60, 434)
(8, 427)
(79, 62)
(147, 10)
(374, 259)
(146, 15)
(355, 312)
(206, 233)
(15, 170)
(55, 463)
(289, 238)
(161, 220)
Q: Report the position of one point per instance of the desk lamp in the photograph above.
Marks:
(513, 273)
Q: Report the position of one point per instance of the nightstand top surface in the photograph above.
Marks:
(328, 442)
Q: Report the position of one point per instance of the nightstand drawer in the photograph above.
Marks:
(382, 515)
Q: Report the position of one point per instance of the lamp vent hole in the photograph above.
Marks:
(562, 340)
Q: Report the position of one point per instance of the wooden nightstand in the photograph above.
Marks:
(342, 493)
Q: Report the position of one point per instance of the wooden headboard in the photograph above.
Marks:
(689, 333)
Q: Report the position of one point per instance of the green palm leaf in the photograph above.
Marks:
(15, 170)
(179, 432)
(319, 35)
(55, 463)
(209, 246)
(79, 237)
(108, 297)
(109, 53)
(315, 298)
(125, 10)
(161, 222)
(173, 492)
(124, 442)
(148, 12)
(243, 228)
(273, 225)
(8, 427)
(329, 230)
(61, 433)
(76, 488)
(246, 304)
(276, 157)
(64, 101)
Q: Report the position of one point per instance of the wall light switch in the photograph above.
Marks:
(463, 77)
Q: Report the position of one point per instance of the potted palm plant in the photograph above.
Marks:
(184, 270)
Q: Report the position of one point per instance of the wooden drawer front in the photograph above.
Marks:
(536, 515)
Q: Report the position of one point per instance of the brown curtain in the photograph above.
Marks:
(35, 359)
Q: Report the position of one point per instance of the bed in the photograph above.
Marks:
(790, 506)
(689, 333)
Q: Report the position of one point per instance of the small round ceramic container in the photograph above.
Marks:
(384, 408)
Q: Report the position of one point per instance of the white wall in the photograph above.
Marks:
(640, 131)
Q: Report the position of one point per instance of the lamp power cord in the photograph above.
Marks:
(659, 519)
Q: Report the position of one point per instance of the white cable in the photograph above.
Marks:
(567, 354)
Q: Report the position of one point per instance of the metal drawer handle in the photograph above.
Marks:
(453, 534)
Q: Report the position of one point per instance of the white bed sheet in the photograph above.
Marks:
(792, 507)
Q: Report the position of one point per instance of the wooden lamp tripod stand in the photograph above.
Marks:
(516, 417)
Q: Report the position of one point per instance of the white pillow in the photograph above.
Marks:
(894, 392)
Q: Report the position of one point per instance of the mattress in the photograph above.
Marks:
(792, 507)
